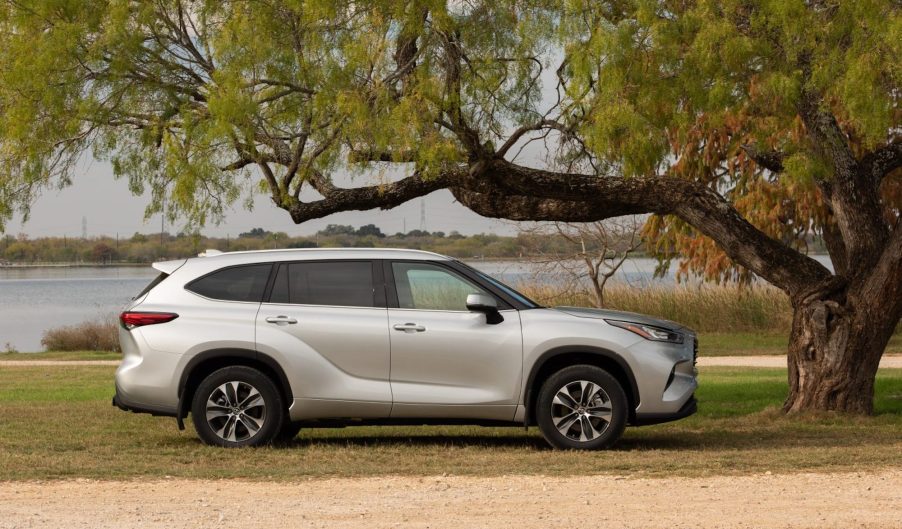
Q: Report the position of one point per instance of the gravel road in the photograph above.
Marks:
(823, 501)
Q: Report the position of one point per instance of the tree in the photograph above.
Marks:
(369, 229)
(255, 233)
(336, 229)
(592, 252)
(742, 125)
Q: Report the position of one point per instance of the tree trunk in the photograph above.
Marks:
(836, 343)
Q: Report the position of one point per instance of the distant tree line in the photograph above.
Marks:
(145, 248)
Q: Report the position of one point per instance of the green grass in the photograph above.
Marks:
(62, 355)
(57, 422)
(760, 343)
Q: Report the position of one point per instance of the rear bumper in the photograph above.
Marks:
(123, 404)
(646, 419)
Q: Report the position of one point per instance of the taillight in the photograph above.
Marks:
(130, 320)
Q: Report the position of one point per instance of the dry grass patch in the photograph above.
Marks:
(705, 308)
(101, 335)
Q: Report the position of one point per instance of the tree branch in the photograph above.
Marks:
(883, 161)
(384, 196)
(852, 194)
(770, 160)
(502, 189)
(517, 134)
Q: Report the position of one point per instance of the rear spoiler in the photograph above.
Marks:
(168, 267)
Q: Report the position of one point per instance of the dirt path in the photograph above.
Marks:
(785, 501)
(888, 361)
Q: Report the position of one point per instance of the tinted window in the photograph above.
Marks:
(239, 283)
(425, 286)
(340, 283)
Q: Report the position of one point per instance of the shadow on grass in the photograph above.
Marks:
(788, 435)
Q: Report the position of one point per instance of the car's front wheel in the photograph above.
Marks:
(237, 406)
(581, 407)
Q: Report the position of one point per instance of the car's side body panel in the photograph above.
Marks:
(337, 358)
(456, 366)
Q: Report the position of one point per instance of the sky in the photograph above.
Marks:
(109, 208)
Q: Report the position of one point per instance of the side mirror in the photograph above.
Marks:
(488, 305)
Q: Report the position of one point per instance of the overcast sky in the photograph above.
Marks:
(110, 208)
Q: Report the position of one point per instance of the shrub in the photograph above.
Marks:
(101, 335)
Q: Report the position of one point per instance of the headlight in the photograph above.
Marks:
(649, 332)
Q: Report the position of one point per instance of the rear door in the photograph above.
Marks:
(445, 360)
(326, 322)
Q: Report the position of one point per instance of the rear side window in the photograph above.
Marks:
(238, 283)
(337, 283)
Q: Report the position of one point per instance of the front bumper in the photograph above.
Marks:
(646, 419)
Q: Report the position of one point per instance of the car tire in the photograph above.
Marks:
(582, 407)
(237, 406)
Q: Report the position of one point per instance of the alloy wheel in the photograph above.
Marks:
(581, 410)
(235, 411)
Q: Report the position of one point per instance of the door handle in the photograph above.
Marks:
(409, 327)
(280, 320)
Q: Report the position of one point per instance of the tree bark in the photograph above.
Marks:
(839, 333)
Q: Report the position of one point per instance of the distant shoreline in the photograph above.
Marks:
(16, 266)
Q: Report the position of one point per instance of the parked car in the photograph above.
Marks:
(256, 345)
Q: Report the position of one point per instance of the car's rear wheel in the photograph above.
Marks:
(581, 407)
(237, 406)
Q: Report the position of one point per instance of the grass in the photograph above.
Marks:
(62, 355)
(57, 422)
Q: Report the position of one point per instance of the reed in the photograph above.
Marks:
(705, 308)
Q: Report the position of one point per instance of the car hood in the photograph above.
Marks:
(583, 312)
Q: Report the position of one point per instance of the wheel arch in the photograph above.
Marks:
(558, 358)
(202, 364)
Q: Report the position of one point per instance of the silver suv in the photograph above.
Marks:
(256, 345)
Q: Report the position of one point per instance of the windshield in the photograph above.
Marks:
(510, 291)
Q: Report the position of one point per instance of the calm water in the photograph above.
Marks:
(32, 300)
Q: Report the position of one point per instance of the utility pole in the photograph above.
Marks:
(84, 228)
(423, 214)
(162, 224)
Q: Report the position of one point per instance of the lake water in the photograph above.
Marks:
(35, 299)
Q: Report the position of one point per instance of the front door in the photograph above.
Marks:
(446, 361)
(326, 324)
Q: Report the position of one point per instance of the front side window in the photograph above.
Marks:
(336, 283)
(430, 287)
(237, 283)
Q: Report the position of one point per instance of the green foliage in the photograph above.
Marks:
(188, 100)
(201, 104)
